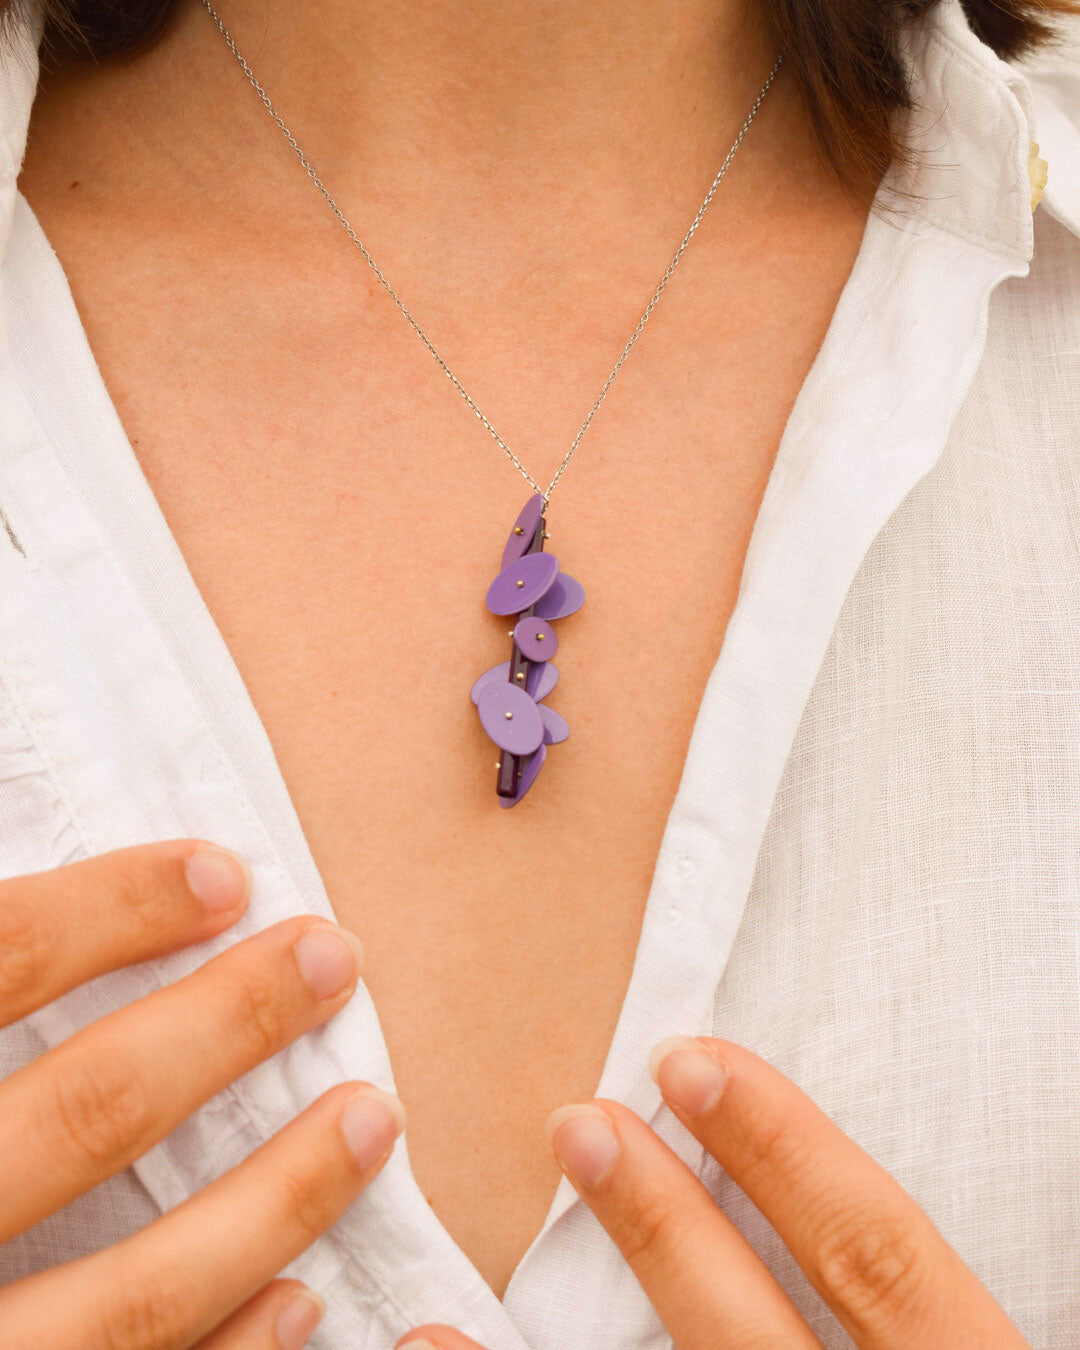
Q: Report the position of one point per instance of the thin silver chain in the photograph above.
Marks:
(377, 270)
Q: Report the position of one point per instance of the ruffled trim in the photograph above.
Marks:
(39, 827)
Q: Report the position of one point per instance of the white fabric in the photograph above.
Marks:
(871, 871)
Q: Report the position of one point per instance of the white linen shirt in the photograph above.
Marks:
(871, 871)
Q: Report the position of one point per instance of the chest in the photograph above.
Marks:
(343, 513)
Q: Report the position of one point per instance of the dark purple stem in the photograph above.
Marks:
(510, 765)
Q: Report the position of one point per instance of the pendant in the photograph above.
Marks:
(510, 696)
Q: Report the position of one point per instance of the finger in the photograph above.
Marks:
(179, 1278)
(280, 1317)
(88, 1107)
(705, 1281)
(63, 927)
(863, 1242)
(434, 1337)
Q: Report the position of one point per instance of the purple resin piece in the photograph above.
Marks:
(535, 638)
(508, 696)
(499, 672)
(529, 770)
(535, 571)
(564, 596)
(542, 678)
(523, 531)
(555, 728)
(510, 718)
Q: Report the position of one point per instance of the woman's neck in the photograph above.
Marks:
(501, 110)
(505, 86)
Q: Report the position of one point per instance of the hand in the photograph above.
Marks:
(866, 1247)
(88, 1107)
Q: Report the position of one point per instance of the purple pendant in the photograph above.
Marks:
(538, 678)
(521, 583)
(509, 696)
(536, 638)
(541, 678)
(524, 529)
(510, 718)
(564, 596)
(527, 776)
(555, 728)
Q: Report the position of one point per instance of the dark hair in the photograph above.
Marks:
(845, 55)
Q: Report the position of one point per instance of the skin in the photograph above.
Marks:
(204, 1272)
(523, 172)
(866, 1247)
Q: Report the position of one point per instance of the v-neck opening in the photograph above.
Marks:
(113, 485)
(691, 847)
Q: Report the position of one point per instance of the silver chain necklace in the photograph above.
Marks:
(509, 697)
(414, 325)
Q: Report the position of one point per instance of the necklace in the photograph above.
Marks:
(509, 697)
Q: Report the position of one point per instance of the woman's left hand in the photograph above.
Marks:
(866, 1247)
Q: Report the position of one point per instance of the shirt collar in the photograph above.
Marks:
(20, 33)
(970, 132)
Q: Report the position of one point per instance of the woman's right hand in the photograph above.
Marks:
(204, 1272)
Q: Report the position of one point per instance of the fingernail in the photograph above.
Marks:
(688, 1074)
(298, 1319)
(370, 1122)
(329, 958)
(421, 1344)
(584, 1141)
(217, 877)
